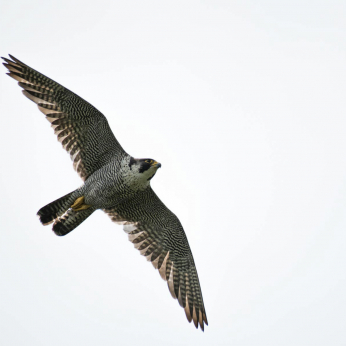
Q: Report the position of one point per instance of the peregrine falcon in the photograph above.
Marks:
(114, 182)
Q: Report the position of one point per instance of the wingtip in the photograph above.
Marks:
(194, 318)
(12, 57)
(205, 319)
(7, 59)
(16, 60)
(12, 67)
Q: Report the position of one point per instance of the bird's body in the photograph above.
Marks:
(114, 182)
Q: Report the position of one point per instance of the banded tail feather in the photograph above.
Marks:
(53, 210)
(70, 220)
(65, 219)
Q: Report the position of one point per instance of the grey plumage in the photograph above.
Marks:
(114, 182)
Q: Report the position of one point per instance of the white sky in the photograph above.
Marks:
(243, 103)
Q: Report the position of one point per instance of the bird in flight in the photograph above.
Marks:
(114, 182)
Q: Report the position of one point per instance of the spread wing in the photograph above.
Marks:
(157, 233)
(82, 130)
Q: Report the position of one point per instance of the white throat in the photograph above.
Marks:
(133, 178)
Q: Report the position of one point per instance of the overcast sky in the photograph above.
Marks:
(243, 103)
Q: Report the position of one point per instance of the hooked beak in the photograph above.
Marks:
(156, 164)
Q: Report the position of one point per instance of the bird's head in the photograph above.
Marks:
(145, 168)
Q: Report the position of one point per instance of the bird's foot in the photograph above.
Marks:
(79, 204)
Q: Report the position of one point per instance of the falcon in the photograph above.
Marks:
(114, 182)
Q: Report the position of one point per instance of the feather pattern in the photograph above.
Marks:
(81, 129)
(157, 233)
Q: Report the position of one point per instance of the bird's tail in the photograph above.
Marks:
(67, 213)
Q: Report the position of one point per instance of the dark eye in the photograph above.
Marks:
(148, 161)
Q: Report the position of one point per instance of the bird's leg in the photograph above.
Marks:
(79, 204)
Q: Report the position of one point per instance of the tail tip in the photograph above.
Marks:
(59, 228)
(45, 219)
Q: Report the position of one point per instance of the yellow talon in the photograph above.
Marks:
(79, 204)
